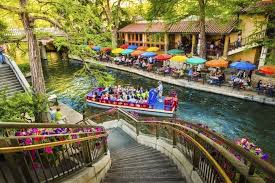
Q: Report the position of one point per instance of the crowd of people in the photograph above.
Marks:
(239, 79)
(268, 89)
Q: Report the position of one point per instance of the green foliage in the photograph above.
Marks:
(3, 29)
(12, 108)
(25, 68)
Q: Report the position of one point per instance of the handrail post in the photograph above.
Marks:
(174, 138)
(105, 146)
(251, 170)
(137, 128)
(157, 130)
(196, 158)
(86, 150)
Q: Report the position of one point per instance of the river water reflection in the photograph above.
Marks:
(231, 117)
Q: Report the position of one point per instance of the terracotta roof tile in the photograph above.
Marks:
(212, 27)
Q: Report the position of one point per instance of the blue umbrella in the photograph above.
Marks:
(96, 48)
(132, 47)
(241, 65)
(148, 54)
(127, 51)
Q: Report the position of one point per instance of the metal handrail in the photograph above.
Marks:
(219, 141)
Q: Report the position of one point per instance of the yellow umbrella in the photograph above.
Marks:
(152, 49)
(117, 50)
(178, 58)
(217, 63)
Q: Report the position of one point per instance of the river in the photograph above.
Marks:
(232, 117)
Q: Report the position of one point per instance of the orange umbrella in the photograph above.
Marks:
(137, 53)
(217, 63)
(162, 57)
(142, 48)
(268, 69)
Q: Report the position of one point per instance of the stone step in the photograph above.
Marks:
(132, 163)
(10, 87)
(10, 83)
(14, 92)
(152, 172)
(145, 179)
(132, 155)
(140, 158)
(13, 79)
(132, 147)
(8, 76)
(144, 167)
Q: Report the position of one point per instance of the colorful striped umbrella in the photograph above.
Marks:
(268, 69)
(133, 47)
(195, 60)
(152, 49)
(142, 48)
(127, 51)
(178, 58)
(175, 52)
(242, 65)
(217, 63)
(162, 57)
(148, 54)
(124, 46)
(136, 53)
(117, 50)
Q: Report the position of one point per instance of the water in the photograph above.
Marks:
(231, 117)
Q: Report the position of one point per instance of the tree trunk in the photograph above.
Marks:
(114, 37)
(202, 48)
(38, 83)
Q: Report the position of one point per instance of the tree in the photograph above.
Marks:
(175, 10)
(29, 14)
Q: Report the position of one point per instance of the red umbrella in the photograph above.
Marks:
(268, 69)
(163, 57)
(106, 49)
(124, 46)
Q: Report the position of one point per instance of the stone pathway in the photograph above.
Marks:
(223, 90)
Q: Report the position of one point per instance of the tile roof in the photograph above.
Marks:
(212, 27)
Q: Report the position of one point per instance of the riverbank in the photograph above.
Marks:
(223, 90)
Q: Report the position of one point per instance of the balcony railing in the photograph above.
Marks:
(48, 152)
(252, 39)
(193, 140)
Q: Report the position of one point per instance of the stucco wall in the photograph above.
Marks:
(252, 23)
(251, 55)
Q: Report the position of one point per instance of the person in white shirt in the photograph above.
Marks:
(160, 90)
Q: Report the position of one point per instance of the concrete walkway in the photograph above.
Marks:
(223, 90)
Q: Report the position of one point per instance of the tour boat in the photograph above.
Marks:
(165, 107)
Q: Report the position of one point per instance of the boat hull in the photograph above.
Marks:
(146, 111)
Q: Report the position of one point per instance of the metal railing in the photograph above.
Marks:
(249, 40)
(238, 164)
(48, 152)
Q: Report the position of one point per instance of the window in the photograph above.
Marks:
(140, 37)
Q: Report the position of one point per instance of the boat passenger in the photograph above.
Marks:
(132, 100)
(160, 91)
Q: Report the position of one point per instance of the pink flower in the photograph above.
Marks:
(28, 141)
(48, 150)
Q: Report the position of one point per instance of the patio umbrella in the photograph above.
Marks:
(195, 60)
(268, 69)
(148, 54)
(117, 50)
(241, 65)
(178, 58)
(142, 48)
(217, 63)
(96, 48)
(133, 47)
(127, 51)
(162, 57)
(175, 52)
(152, 49)
(136, 53)
(124, 46)
(106, 49)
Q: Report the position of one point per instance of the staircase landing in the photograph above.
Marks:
(133, 162)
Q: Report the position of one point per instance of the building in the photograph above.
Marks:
(234, 40)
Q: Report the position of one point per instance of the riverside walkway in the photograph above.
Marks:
(223, 90)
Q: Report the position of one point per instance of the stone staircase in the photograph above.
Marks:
(132, 162)
(9, 81)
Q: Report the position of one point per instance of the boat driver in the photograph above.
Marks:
(160, 90)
